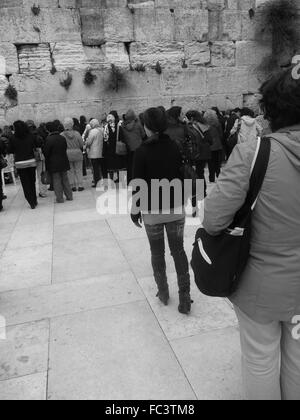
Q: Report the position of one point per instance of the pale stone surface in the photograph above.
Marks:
(221, 370)
(113, 344)
(27, 388)
(25, 350)
(98, 294)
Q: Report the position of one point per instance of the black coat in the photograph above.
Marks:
(55, 152)
(23, 149)
(158, 159)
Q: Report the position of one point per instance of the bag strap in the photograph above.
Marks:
(258, 173)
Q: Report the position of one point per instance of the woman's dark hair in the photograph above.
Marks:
(247, 112)
(281, 100)
(174, 113)
(195, 115)
(155, 120)
(21, 129)
(116, 115)
(58, 127)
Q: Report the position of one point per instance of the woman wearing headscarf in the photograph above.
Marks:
(113, 134)
(94, 146)
(214, 165)
(75, 154)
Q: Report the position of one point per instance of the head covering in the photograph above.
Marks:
(130, 116)
(30, 123)
(94, 124)
(211, 118)
(155, 120)
(174, 112)
(68, 124)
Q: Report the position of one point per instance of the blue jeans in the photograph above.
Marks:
(175, 234)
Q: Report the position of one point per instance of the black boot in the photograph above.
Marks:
(185, 301)
(163, 288)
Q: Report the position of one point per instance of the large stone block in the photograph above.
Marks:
(185, 82)
(116, 53)
(191, 24)
(118, 25)
(75, 56)
(197, 53)
(250, 53)
(169, 54)
(34, 58)
(223, 54)
(22, 27)
(153, 25)
(8, 58)
(92, 26)
(226, 81)
(232, 25)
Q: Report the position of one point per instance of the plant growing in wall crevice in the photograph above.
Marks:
(36, 10)
(278, 22)
(11, 93)
(89, 78)
(66, 81)
(116, 80)
(158, 68)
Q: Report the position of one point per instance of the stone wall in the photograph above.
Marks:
(206, 50)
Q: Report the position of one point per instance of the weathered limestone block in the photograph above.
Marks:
(153, 25)
(100, 4)
(3, 86)
(115, 53)
(191, 24)
(9, 60)
(185, 82)
(250, 53)
(34, 58)
(118, 25)
(197, 53)
(226, 81)
(223, 54)
(74, 56)
(20, 26)
(232, 25)
(92, 26)
(225, 102)
(172, 4)
(169, 54)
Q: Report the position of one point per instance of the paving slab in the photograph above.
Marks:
(207, 313)
(25, 350)
(25, 267)
(26, 388)
(25, 236)
(67, 298)
(212, 363)
(113, 353)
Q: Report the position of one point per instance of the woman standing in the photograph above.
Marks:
(57, 162)
(159, 158)
(23, 146)
(75, 155)
(215, 163)
(112, 135)
(94, 146)
(2, 154)
(267, 302)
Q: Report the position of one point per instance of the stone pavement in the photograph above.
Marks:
(83, 322)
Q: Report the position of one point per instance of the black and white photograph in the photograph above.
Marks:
(150, 203)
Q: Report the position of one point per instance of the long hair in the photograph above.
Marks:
(21, 129)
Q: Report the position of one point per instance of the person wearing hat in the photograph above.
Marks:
(157, 159)
(75, 154)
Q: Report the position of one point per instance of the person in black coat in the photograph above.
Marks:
(57, 162)
(159, 158)
(23, 146)
(2, 154)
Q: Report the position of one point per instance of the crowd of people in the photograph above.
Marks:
(60, 152)
(154, 146)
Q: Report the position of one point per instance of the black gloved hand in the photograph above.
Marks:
(137, 219)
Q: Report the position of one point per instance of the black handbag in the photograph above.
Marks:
(219, 261)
